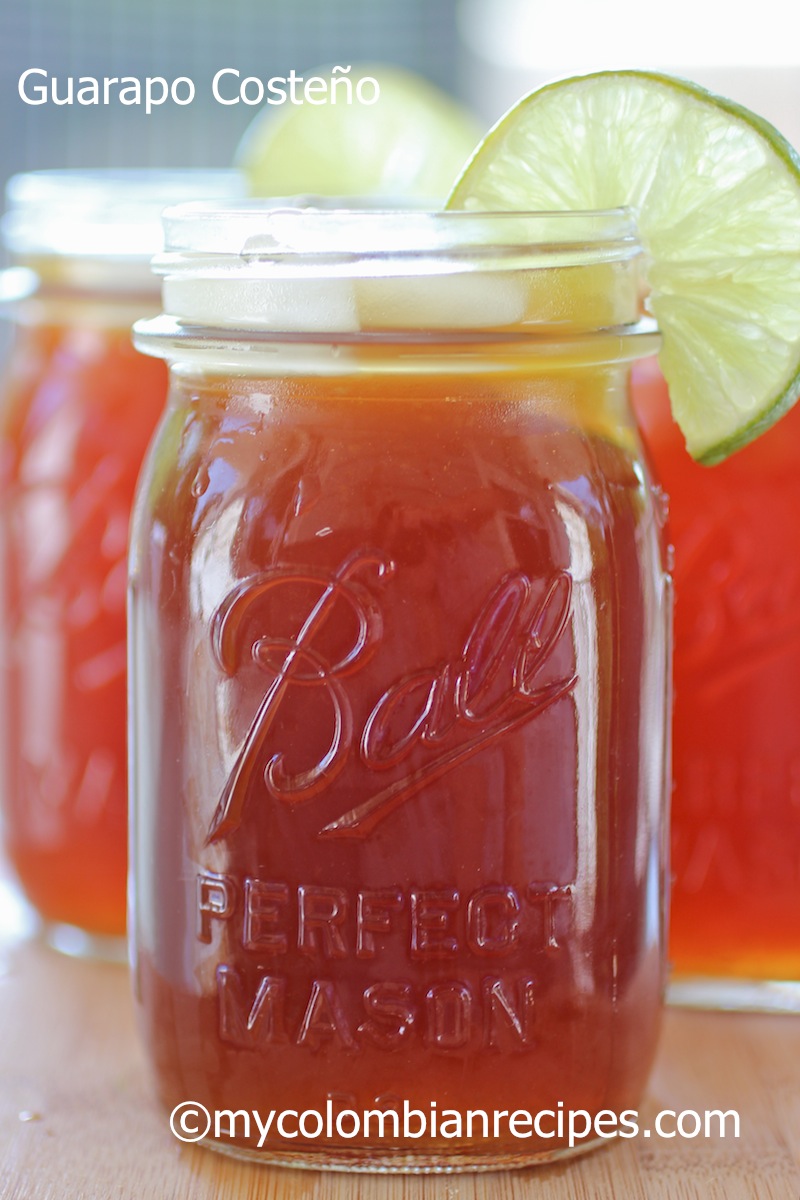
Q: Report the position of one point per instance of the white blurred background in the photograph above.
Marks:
(489, 52)
(749, 52)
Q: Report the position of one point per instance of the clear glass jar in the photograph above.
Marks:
(399, 668)
(735, 924)
(79, 406)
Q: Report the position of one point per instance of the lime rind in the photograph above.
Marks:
(717, 193)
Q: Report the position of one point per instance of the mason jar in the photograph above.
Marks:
(78, 406)
(399, 626)
(735, 917)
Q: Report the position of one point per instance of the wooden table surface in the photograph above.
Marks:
(78, 1120)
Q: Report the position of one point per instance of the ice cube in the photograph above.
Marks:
(280, 305)
(474, 300)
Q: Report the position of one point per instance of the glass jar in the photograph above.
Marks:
(79, 406)
(735, 929)
(399, 663)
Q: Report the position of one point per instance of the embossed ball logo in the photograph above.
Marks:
(498, 682)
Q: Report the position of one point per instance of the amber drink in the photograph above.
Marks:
(399, 662)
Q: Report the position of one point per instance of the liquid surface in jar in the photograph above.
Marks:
(399, 758)
(736, 804)
(79, 407)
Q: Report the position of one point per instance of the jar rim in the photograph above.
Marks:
(317, 267)
(309, 232)
(102, 212)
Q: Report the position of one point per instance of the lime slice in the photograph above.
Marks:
(717, 193)
(411, 142)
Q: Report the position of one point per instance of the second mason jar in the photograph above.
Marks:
(78, 407)
(399, 667)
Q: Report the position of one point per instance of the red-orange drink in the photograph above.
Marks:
(398, 663)
(736, 805)
(79, 406)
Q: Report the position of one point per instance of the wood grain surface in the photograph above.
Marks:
(78, 1120)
